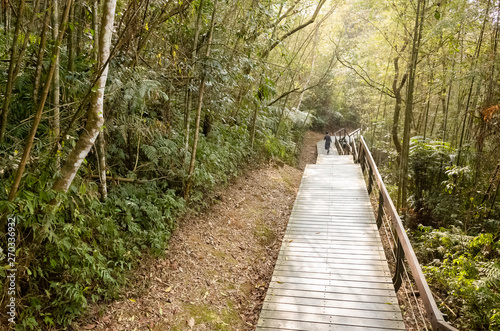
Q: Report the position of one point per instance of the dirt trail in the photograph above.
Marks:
(219, 263)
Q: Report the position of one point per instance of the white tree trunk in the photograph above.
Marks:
(95, 117)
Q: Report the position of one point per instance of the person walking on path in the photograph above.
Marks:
(328, 141)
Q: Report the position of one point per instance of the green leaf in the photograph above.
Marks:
(437, 15)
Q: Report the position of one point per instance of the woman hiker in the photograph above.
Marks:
(328, 141)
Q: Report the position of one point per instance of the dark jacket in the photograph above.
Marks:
(328, 141)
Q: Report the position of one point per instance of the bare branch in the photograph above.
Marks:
(300, 27)
(366, 78)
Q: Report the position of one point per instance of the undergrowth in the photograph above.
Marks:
(455, 233)
(74, 250)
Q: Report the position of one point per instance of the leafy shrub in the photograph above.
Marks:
(81, 250)
(465, 272)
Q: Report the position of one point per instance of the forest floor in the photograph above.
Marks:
(219, 262)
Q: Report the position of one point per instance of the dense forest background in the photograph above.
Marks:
(118, 115)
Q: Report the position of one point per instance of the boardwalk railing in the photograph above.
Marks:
(403, 251)
(345, 142)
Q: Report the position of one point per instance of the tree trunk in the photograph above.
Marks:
(40, 106)
(467, 106)
(95, 27)
(417, 35)
(41, 53)
(71, 39)
(101, 140)
(10, 76)
(81, 14)
(187, 114)
(427, 106)
(397, 108)
(55, 95)
(198, 113)
(95, 118)
(101, 159)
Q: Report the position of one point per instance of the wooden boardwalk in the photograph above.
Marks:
(331, 273)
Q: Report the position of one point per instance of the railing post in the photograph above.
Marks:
(355, 151)
(397, 280)
(362, 159)
(380, 213)
(370, 179)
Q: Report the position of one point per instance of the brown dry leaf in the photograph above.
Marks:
(168, 289)
(89, 326)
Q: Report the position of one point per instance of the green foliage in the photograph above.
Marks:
(433, 181)
(465, 271)
(81, 251)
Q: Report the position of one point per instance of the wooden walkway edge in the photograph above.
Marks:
(331, 273)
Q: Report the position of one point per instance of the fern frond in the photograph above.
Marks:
(492, 274)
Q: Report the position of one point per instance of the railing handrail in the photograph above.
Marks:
(435, 315)
(339, 146)
(335, 133)
(354, 132)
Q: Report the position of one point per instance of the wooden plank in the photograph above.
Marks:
(341, 245)
(281, 325)
(332, 276)
(331, 282)
(331, 240)
(334, 289)
(360, 258)
(332, 222)
(357, 305)
(334, 234)
(299, 251)
(297, 265)
(332, 319)
(299, 306)
(299, 228)
(335, 270)
(389, 300)
(369, 255)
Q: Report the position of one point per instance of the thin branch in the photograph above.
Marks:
(282, 96)
(300, 27)
(370, 82)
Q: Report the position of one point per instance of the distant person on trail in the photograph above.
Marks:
(328, 141)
